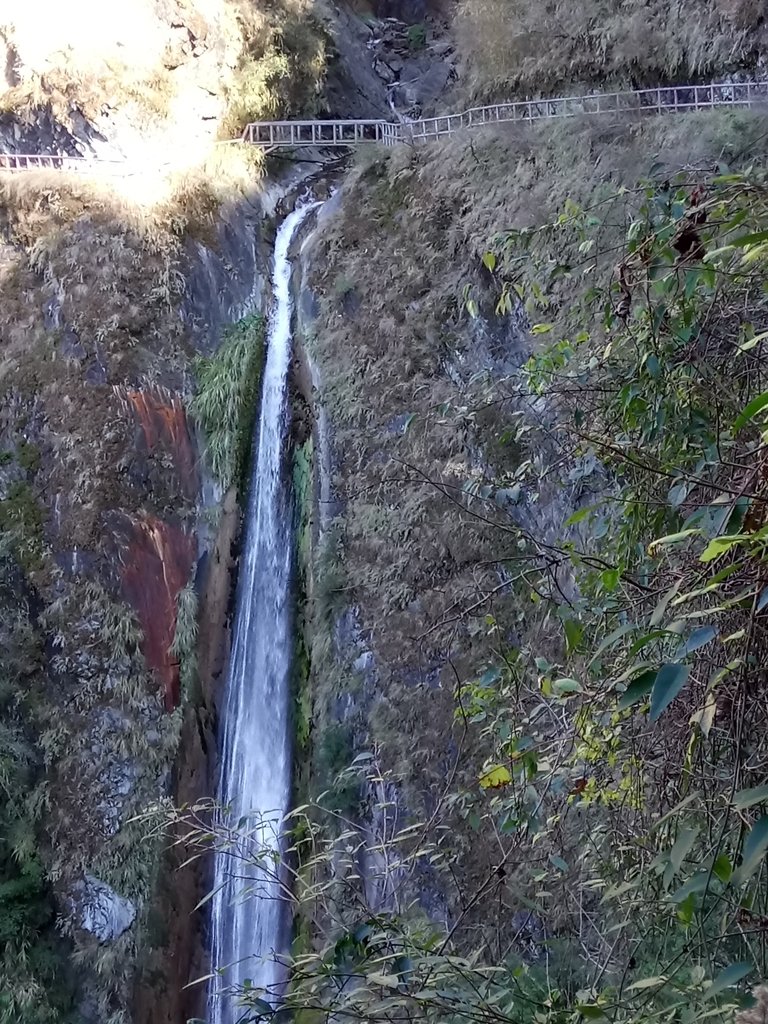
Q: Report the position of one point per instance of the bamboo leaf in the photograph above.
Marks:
(750, 410)
(749, 797)
(637, 689)
(728, 977)
(754, 850)
(670, 679)
(683, 845)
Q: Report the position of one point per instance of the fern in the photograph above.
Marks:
(226, 399)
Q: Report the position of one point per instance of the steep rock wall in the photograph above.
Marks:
(417, 584)
(100, 497)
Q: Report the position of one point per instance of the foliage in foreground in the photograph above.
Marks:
(226, 399)
(622, 759)
(34, 977)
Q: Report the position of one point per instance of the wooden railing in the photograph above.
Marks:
(269, 135)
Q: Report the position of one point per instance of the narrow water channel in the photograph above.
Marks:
(248, 916)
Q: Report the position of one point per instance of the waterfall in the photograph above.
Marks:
(248, 914)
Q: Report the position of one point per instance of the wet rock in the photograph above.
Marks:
(224, 285)
(77, 562)
(353, 88)
(38, 131)
(364, 662)
(425, 89)
(384, 71)
(98, 909)
(70, 345)
(441, 48)
(117, 780)
(162, 420)
(156, 558)
(398, 425)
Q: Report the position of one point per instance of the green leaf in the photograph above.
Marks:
(649, 638)
(748, 797)
(541, 328)
(637, 689)
(567, 686)
(582, 513)
(558, 862)
(590, 1010)
(385, 980)
(670, 679)
(613, 637)
(750, 343)
(722, 868)
(490, 676)
(683, 844)
(698, 883)
(661, 607)
(610, 579)
(489, 261)
(728, 977)
(686, 908)
(573, 634)
(719, 546)
(671, 538)
(638, 986)
(496, 777)
(261, 1006)
(751, 239)
(698, 638)
(750, 410)
(755, 846)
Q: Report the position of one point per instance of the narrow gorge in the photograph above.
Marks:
(249, 931)
(383, 512)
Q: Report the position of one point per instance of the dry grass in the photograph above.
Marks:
(281, 65)
(85, 56)
(161, 84)
(417, 421)
(525, 46)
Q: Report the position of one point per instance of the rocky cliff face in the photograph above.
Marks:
(436, 480)
(100, 494)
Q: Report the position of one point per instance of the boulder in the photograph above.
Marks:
(98, 909)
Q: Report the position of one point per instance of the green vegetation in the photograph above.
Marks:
(303, 466)
(21, 523)
(227, 398)
(523, 46)
(559, 567)
(281, 67)
(417, 37)
(184, 646)
(36, 984)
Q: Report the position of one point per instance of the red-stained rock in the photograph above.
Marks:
(156, 558)
(163, 420)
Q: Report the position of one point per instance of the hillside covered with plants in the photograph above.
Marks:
(537, 647)
(527, 452)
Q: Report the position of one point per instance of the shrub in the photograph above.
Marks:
(227, 398)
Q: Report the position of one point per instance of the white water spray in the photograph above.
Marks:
(248, 913)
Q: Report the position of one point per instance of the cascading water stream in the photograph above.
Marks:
(248, 913)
